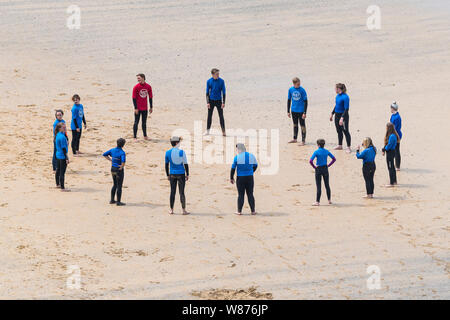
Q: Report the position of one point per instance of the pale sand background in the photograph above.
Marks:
(291, 249)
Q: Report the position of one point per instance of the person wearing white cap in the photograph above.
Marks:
(177, 171)
(245, 164)
(397, 121)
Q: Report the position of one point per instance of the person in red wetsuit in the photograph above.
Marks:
(141, 92)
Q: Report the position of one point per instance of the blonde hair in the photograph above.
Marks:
(367, 143)
(295, 80)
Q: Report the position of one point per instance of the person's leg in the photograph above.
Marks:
(221, 118)
(144, 122)
(326, 182)
(114, 187)
(249, 186)
(346, 130)
(337, 117)
(210, 113)
(295, 116)
(57, 173)
(79, 139)
(136, 123)
(74, 141)
(240, 184)
(173, 190)
(120, 176)
(54, 157)
(397, 156)
(391, 166)
(372, 184)
(181, 185)
(62, 172)
(302, 127)
(366, 175)
(318, 185)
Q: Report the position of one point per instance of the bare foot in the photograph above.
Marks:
(135, 139)
(171, 212)
(146, 138)
(329, 202)
(366, 197)
(293, 141)
(338, 148)
(185, 212)
(389, 185)
(302, 143)
(224, 134)
(65, 190)
(398, 169)
(253, 213)
(348, 150)
(78, 152)
(238, 213)
(206, 133)
(316, 204)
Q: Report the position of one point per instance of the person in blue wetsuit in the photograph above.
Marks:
(62, 158)
(390, 143)
(59, 118)
(342, 117)
(177, 172)
(321, 168)
(76, 124)
(297, 104)
(245, 164)
(118, 158)
(369, 167)
(397, 121)
(215, 92)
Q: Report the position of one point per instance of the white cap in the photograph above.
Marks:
(394, 105)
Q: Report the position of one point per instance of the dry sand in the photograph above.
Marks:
(290, 250)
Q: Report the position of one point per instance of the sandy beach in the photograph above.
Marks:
(290, 250)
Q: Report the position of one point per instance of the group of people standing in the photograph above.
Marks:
(244, 163)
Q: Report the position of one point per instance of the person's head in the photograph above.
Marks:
(240, 147)
(215, 73)
(60, 127)
(120, 142)
(390, 129)
(341, 88)
(367, 143)
(76, 99)
(140, 78)
(394, 107)
(321, 143)
(296, 82)
(174, 141)
(59, 114)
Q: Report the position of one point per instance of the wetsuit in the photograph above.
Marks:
(118, 158)
(215, 90)
(245, 164)
(390, 156)
(321, 169)
(397, 121)
(54, 145)
(61, 158)
(177, 169)
(369, 167)
(341, 110)
(76, 123)
(297, 104)
(140, 94)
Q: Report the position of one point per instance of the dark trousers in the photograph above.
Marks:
(144, 115)
(218, 105)
(296, 118)
(179, 179)
(322, 172)
(76, 137)
(368, 174)
(390, 155)
(397, 156)
(61, 166)
(117, 176)
(54, 162)
(244, 185)
(343, 130)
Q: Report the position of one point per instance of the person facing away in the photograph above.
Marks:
(141, 91)
(59, 118)
(390, 143)
(342, 117)
(62, 158)
(118, 158)
(369, 167)
(177, 172)
(76, 124)
(297, 104)
(321, 170)
(245, 164)
(397, 121)
(215, 92)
